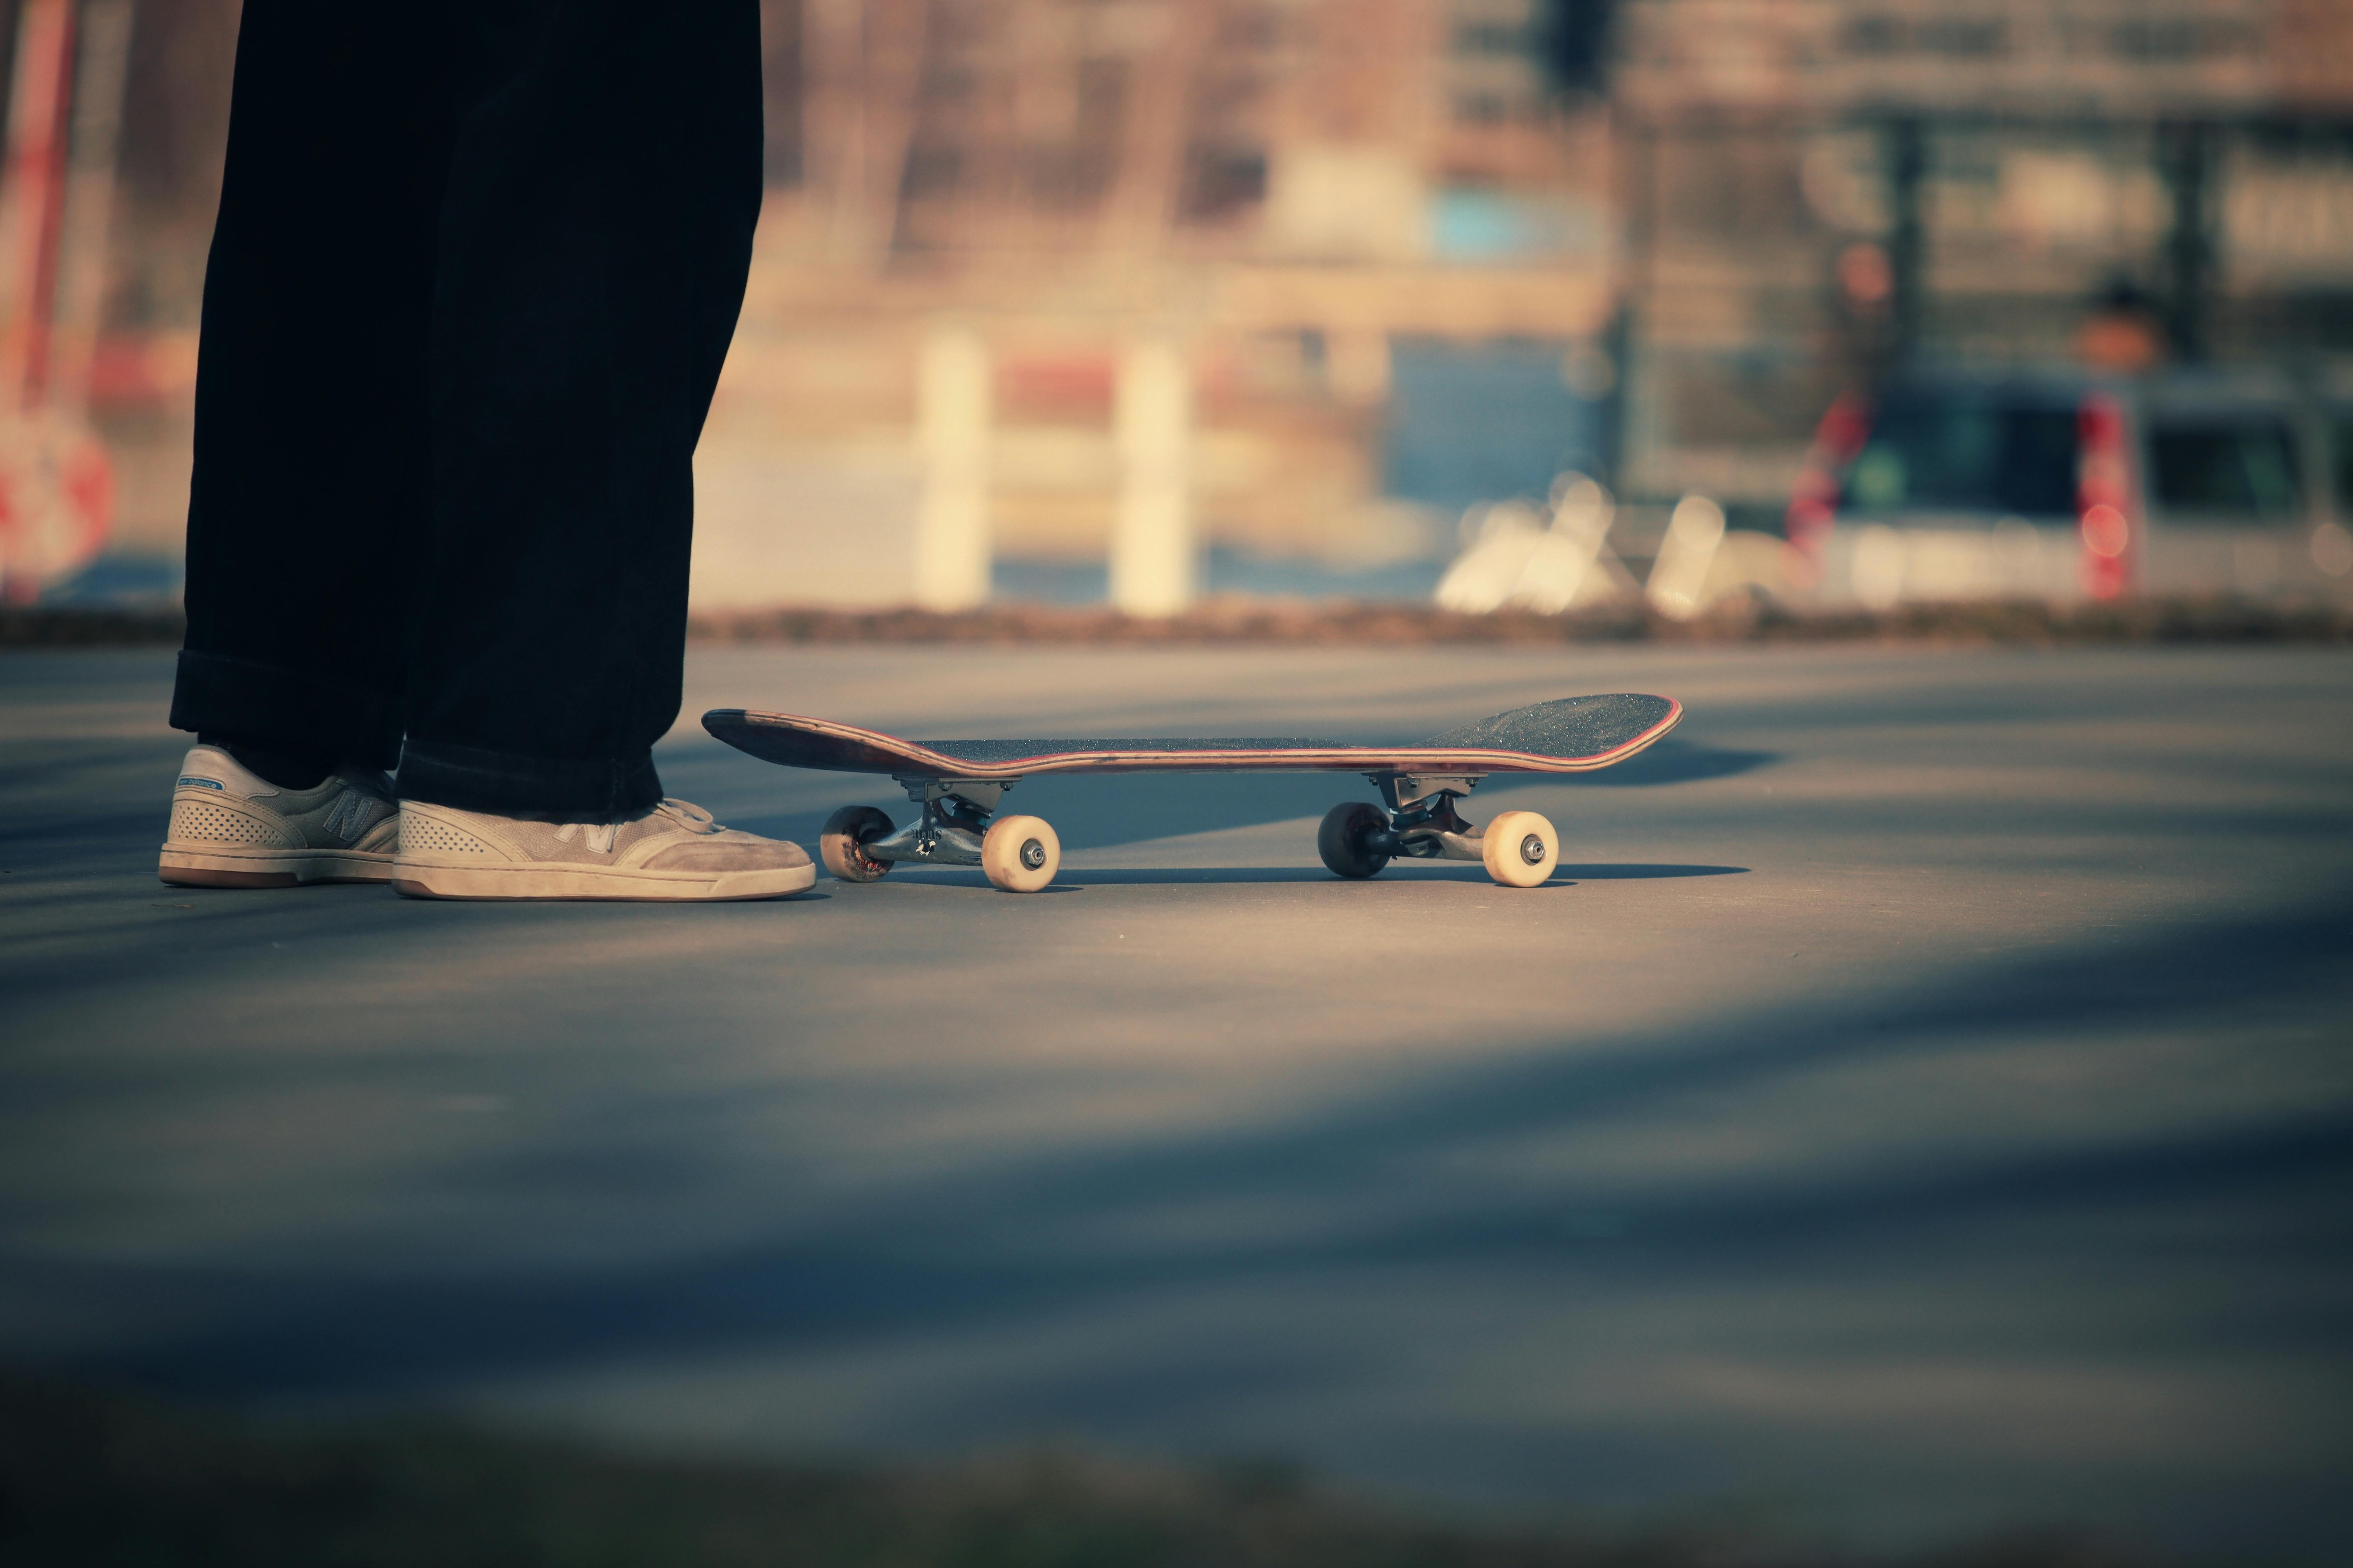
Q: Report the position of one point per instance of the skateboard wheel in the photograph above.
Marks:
(1520, 848)
(1341, 840)
(837, 843)
(1020, 854)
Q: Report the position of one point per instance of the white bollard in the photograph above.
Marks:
(1152, 565)
(1678, 584)
(952, 419)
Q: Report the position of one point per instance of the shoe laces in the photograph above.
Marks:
(688, 815)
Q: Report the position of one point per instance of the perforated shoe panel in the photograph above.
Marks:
(422, 835)
(202, 822)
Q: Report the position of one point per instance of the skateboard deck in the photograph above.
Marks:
(1573, 734)
(957, 785)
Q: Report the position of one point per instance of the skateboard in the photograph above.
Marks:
(958, 784)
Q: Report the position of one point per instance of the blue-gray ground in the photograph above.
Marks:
(1922, 1105)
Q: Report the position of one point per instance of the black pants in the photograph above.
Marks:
(476, 267)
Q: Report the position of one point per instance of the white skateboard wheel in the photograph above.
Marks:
(1340, 839)
(837, 843)
(1020, 854)
(1520, 848)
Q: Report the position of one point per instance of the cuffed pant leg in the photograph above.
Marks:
(306, 710)
(311, 444)
(509, 785)
(604, 185)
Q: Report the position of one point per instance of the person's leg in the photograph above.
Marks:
(311, 457)
(605, 181)
(604, 184)
(474, 280)
(311, 435)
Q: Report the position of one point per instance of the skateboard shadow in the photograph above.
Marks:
(1567, 876)
(1241, 875)
(1673, 761)
(1069, 881)
(1642, 873)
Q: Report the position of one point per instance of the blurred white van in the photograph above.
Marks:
(1960, 486)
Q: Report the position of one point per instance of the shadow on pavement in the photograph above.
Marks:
(1673, 761)
(1428, 871)
(95, 1477)
(926, 1256)
(1637, 873)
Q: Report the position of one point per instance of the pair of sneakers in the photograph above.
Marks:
(232, 829)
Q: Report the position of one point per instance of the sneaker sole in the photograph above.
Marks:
(417, 880)
(234, 865)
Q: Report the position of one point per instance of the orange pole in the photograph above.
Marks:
(86, 202)
(32, 197)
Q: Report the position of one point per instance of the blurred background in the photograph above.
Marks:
(1537, 302)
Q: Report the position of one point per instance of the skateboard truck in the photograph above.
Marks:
(956, 825)
(953, 827)
(950, 825)
(1423, 823)
(1357, 837)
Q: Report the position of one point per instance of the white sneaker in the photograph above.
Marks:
(673, 851)
(231, 828)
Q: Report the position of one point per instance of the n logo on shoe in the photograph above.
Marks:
(348, 815)
(595, 836)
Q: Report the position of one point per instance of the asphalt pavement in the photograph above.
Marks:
(1921, 1106)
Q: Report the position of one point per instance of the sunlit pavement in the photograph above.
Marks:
(1923, 1104)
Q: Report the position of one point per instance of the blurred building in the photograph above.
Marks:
(1328, 205)
(1344, 267)
(1817, 191)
